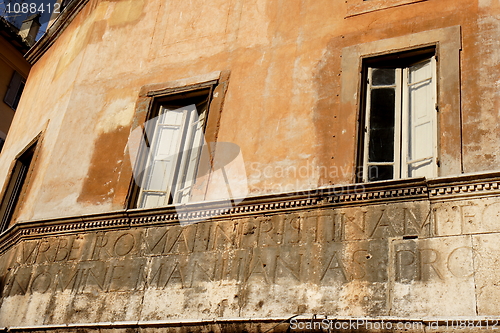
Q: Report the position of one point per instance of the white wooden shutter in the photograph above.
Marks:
(419, 117)
(191, 156)
(163, 158)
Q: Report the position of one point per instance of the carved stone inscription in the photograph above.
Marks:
(320, 247)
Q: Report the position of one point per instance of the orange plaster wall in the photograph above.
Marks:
(282, 105)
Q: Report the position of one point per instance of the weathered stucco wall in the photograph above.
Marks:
(405, 249)
(283, 105)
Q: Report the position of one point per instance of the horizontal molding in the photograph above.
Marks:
(415, 189)
(467, 186)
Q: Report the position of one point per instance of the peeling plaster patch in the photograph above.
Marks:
(74, 47)
(353, 297)
(252, 17)
(488, 43)
(117, 114)
(66, 204)
(81, 37)
(283, 176)
(301, 77)
(484, 3)
(126, 12)
(105, 168)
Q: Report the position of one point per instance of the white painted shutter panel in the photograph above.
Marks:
(421, 103)
(12, 91)
(189, 165)
(163, 158)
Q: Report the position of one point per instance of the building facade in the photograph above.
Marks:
(256, 166)
(14, 70)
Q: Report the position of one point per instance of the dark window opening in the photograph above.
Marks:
(15, 187)
(398, 121)
(14, 91)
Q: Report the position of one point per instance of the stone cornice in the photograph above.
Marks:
(55, 30)
(467, 186)
(417, 189)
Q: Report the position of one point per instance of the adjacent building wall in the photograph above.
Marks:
(11, 60)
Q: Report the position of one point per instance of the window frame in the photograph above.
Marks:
(151, 133)
(151, 97)
(401, 63)
(448, 44)
(19, 179)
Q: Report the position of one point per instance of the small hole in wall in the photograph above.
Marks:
(410, 237)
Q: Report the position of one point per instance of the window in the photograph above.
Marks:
(2, 139)
(171, 149)
(15, 186)
(406, 50)
(14, 91)
(400, 123)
